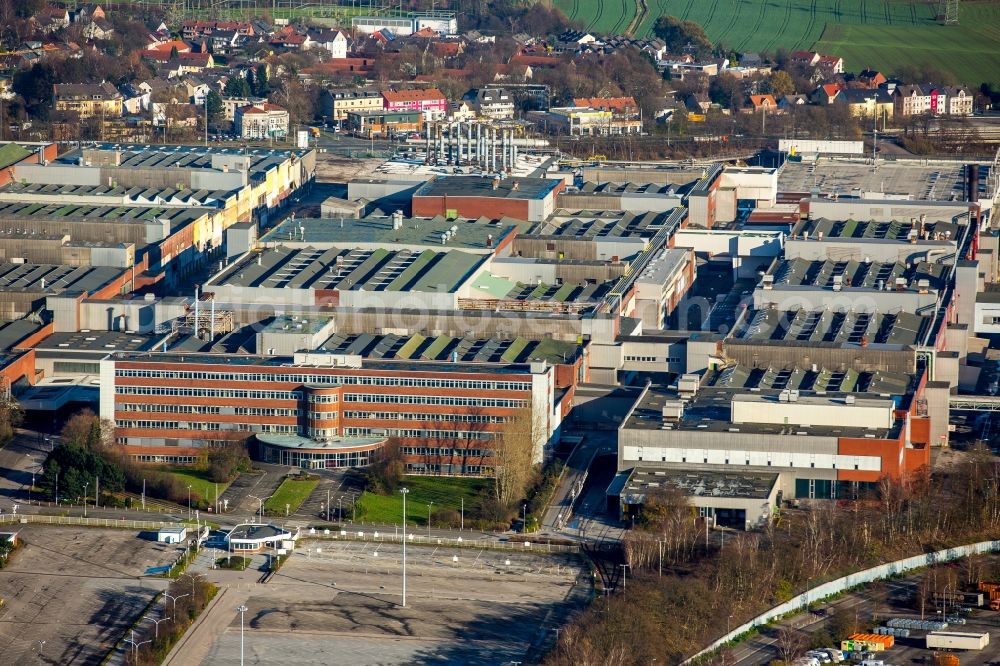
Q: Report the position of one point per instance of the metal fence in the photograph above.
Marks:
(29, 518)
(848, 582)
(456, 542)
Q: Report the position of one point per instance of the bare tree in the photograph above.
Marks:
(791, 644)
(514, 457)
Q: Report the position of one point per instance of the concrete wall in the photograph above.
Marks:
(635, 202)
(885, 210)
(531, 271)
(848, 582)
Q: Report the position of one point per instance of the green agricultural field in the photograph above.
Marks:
(970, 50)
(882, 33)
(444, 491)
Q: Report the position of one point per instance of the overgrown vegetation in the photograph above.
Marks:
(237, 563)
(193, 595)
(88, 453)
(495, 502)
(665, 618)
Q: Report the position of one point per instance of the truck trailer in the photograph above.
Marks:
(957, 640)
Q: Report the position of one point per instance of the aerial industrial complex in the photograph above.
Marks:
(821, 359)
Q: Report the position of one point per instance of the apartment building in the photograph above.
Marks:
(335, 103)
(914, 100)
(88, 100)
(431, 102)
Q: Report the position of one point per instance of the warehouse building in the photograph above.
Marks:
(528, 199)
(333, 277)
(837, 442)
(444, 414)
(593, 234)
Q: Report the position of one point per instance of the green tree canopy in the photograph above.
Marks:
(683, 36)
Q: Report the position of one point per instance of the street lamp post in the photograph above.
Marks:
(624, 567)
(174, 599)
(524, 518)
(189, 501)
(242, 609)
(461, 524)
(85, 487)
(404, 491)
(41, 646)
(261, 507)
(156, 632)
(429, 507)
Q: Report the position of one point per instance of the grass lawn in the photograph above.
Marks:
(444, 491)
(199, 481)
(291, 492)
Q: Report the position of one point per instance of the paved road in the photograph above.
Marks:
(763, 648)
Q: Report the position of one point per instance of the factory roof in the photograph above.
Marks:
(826, 326)
(241, 341)
(102, 341)
(663, 265)
(368, 270)
(896, 230)
(618, 189)
(644, 480)
(914, 179)
(857, 274)
(741, 378)
(502, 288)
(151, 156)
(13, 332)
(589, 225)
(296, 364)
(711, 410)
(178, 217)
(55, 279)
(480, 186)
(461, 234)
(447, 348)
(139, 196)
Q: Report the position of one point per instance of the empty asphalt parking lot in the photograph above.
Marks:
(339, 603)
(75, 588)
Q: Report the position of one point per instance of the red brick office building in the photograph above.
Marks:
(324, 410)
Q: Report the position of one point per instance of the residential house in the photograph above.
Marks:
(161, 50)
(98, 29)
(570, 39)
(197, 90)
(87, 11)
(626, 116)
(460, 111)
(191, 29)
(871, 78)
(430, 102)
(493, 103)
(336, 103)
(831, 65)
(827, 93)
(333, 41)
(789, 102)
(762, 104)
(804, 58)
(864, 103)
(384, 123)
(261, 121)
(920, 99)
(175, 115)
(51, 19)
(88, 100)
(225, 41)
(290, 40)
(135, 100)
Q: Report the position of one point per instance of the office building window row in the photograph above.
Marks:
(266, 411)
(323, 399)
(168, 425)
(448, 401)
(445, 451)
(327, 380)
(418, 433)
(168, 409)
(425, 416)
(208, 393)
